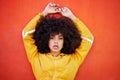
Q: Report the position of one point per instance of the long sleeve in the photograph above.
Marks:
(87, 40)
(27, 35)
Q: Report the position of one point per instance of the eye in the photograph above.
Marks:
(61, 38)
(51, 37)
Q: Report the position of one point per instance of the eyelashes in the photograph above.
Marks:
(59, 37)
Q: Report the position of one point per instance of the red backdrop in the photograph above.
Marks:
(102, 18)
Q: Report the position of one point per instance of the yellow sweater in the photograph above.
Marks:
(48, 67)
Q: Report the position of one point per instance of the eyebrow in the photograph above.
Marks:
(60, 35)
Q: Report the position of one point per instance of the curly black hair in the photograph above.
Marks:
(51, 24)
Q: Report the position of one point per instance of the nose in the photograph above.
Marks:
(56, 41)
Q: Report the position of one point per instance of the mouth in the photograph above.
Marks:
(55, 46)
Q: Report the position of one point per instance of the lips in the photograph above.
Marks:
(55, 46)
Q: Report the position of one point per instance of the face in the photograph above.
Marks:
(56, 43)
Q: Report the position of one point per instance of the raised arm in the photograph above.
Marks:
(27, 34)
(87, 40)
(87, 37)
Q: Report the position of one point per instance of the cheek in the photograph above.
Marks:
(50, 44)
(61, 43)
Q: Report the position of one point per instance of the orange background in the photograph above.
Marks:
(101, 16)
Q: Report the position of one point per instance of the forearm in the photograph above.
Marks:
(27, 34)
(83, 30)
(30, 27)
(87, 40)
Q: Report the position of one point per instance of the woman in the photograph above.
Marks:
(56, 43)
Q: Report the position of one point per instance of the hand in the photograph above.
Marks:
(51, 8)
(68, 13)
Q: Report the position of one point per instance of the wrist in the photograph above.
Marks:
(72, 17)
(44, 13)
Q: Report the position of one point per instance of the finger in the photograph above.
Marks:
(63, 9)
(49, 4)
(66, 8)
(53, 4)
(58, 9)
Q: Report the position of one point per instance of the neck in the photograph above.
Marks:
(55, 54)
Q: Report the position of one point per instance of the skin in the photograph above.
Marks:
(56, 41)
(54, 8)
(56, 44)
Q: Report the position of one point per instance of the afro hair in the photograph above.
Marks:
(55, 24)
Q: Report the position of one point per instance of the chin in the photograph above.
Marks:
(55, 51)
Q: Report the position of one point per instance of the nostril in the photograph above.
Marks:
(55, 41)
